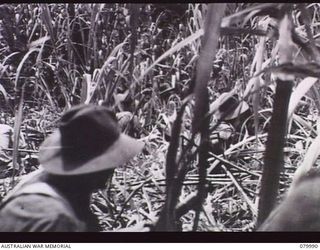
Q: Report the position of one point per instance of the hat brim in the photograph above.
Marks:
(120, 152)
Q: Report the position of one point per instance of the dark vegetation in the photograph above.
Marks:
(202, 84)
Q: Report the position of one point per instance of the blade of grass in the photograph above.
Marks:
(309, 160)
(22, 63)
(111, 58)
(38, 42)
(4, 93)
(92, 41)
(47, 19)
(134, 18)
(85, 88)
(16, 134)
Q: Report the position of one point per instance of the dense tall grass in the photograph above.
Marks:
(164, 68)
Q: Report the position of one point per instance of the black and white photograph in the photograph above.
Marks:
(159, 117)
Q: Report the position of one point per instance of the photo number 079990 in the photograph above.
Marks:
(308, 246)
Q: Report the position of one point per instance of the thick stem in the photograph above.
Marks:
(273, 162)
